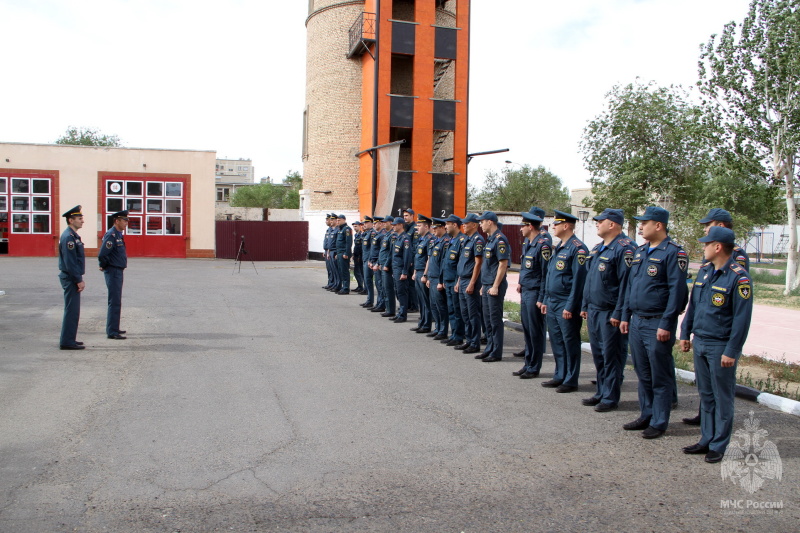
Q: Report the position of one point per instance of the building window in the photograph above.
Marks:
(242, 168)
(223, 194)
(29, 201)
(160, 203)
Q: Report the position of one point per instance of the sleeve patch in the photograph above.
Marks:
(745, 291)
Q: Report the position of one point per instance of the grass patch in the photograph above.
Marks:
(511, 310)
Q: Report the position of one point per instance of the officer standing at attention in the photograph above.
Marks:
(496, 256)
(607, 269)
(328, 245)
(411, 229)
(366, 254)
(72, 267)
(719, 314)
(358, 263)
(723, 218)
(402, 256)
(536, 252)
(434, 281)
(377, 272)
(344, 249)
(452, 252)
(655, 298)
(468, 286)
(420, 261)
(385, 265)
(561, 303)
(113, 261)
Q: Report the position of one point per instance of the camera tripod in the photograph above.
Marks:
(242, 251)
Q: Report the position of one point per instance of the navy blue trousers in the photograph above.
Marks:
(493, 318)
(565, 339)
(358, 271)
(454, 311)
(471, 313)
(438, 300)
(423, 300)
(329, 269)
(533, 328)
(344, 272)
(388, 291)
(655, 368)
(380, 295)
(401, 287)
(717, 388)
(114, 284)
(369, 283)
(609, 351)
(72, 311)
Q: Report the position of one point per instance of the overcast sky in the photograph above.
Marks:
(230, 75)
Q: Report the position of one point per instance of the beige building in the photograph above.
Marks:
(169, 195)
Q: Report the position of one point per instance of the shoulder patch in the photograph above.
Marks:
(745, 291)
(109, 244)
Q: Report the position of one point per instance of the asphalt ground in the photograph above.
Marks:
(260, 402)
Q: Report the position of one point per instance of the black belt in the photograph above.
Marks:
(649, 317)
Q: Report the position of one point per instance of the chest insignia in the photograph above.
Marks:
(528, 263)
(718, 299)
(560, 265)
(601, 266)
(652, 270)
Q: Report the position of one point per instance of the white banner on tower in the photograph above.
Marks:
(388, 160)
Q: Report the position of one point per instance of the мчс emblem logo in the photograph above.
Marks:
(652, 270)
(750, 459)
(718, 299)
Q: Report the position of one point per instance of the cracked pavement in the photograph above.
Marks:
(244, 402)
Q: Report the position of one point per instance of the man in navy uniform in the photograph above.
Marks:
(536, 253)
(607, 269)
(366, 254)
(434, 281)
(328, 247)
(113, 261)
(344, 249)
(561, 303)
(718, 316)
(377, 271)
(655, 297)
(420, 261)
(358, 263)
(452, 253)
(496, 256)
(385, 265)
(468, 286)
(402, 256)
(411, 230)
(72, 267)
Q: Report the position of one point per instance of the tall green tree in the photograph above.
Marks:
(752, 71)
(284, 195)
(649, 145)
(87, 137)
(518, 189)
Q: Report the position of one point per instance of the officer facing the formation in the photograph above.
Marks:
(72, 267)
(496, 256)
(452, 252)
(607, 269)
(434, 280)
(561, 303)
(468, 287)
(358, 263)
(344, 249)
(656, 296)
(366, 257)
(536, 253)
(718, 316)
(402, 256)
(420, 260)
(385, 265)
(113, 261)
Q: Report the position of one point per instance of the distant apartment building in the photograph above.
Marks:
(230, 174)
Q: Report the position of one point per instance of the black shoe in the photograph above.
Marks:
(695, 449)
(386, 315)
(529, 375)
(440, 337)
(424, 330)
(552, 384)
(462, 346)
(605, 407)
(359, 290)
(651, 433)
(590, 402)
(378, 310)
(343, 293)
(484, 340)
(694, 421)
(413, 309)
(519, 354)
(566, 388)
(454, 342)
(518, 372)
(593, 382)
(415, 328)
(491, 359)
(638, 424)
(123, 332)
(79, 343)
(72, 347)
(714, 457)
(482, 355)
(117, 337)
(400, 319)
(471, 349)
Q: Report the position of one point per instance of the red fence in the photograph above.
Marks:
(264, 241)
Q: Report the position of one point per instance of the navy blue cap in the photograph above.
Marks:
(398, 220)
(437, 222)
(389, 218)
(423, 218)
(614, 215)
(74, 212)
(538, 211)
(530, 217)
(561, 217)
(120, 214)
(659, 214)
(488, 215)
(472, 217)
(717, 215)
(409, 211)
(719, 234)
(357, 223)
(454, 219)
(367, 218)
(342, 217)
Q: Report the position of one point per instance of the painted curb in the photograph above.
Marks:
(2, 293)
(766, 399)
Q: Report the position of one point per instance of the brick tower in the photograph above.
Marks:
(379, 72)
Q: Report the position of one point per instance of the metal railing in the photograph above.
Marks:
(361, 32)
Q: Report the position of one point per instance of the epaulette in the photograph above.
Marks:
(675, 244)
(576, 243)
(739, 269)
(624, 241)
(705, 264)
